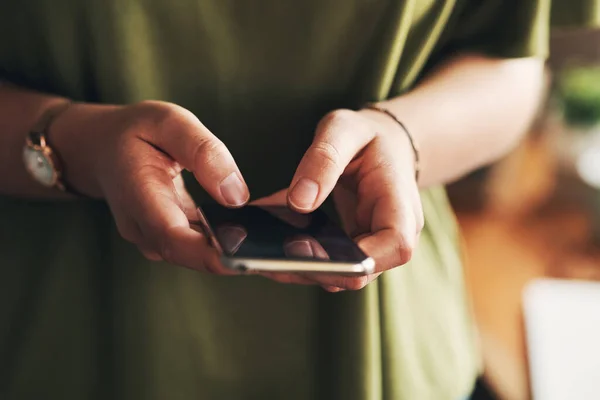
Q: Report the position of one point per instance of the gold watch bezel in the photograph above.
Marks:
(37, 142)
(44, 150)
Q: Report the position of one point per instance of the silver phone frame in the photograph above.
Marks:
(365, 267)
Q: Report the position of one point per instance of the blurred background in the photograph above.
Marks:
(536, 215)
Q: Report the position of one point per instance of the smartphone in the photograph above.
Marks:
(277, 239)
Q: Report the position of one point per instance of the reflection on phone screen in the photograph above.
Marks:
(275, 232)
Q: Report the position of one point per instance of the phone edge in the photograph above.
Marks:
(365, 267)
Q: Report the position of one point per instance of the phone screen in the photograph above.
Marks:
(276, 232)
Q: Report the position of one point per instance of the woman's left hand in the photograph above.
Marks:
(366, 160)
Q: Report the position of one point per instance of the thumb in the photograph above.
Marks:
(184, 138)
(340, 136)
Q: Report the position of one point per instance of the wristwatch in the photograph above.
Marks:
(41, 159)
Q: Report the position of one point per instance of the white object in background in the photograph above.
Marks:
(562, 320)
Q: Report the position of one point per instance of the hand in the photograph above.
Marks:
(366, 160)
(133, 157)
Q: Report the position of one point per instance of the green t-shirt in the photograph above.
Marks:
(84, 316)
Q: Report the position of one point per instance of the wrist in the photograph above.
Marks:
(76, 136)
(390, 125)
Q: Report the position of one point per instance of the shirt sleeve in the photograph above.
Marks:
(501, 28)
(515, 28)
(575, 13)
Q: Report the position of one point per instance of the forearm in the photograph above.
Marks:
(70, 134)
(466, 114)
(19, 111)
(469, 113)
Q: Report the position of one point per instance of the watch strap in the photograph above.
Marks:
(39, 136)
(44, 123)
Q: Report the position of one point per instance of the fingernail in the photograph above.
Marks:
(299, 248)
(234, 191)
(332, 289)
(304, 194)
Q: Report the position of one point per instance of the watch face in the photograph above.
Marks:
(40, 166)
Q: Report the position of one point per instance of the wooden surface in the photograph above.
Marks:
(525, 220)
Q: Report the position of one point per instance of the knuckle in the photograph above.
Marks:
(328, 153)
(127, 234)
(207, 151)
(161, 113)
(404, 255)
(150, 255)
(127, 228)
(158, 175)
(355, 283)
(154, 117)
(207, 267)
(338, 117)
(165, 247)
(151, 179)
(403, 248)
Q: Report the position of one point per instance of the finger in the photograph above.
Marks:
(189, 248)
(390, 207)
(390, 245)
(187, 203)
(288, 278)
(126, 226)
(332, 289)
(394, 233)
(190, 143)
(149, 253)
(342, 282)
(339, 282)
(165, 226)
(340, 136)
(130, 231)
(393, 236)
(346, 204)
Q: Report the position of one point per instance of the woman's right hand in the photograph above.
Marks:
(132, 156)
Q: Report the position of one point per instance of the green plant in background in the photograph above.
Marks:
(578, 93)
(578, 90)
